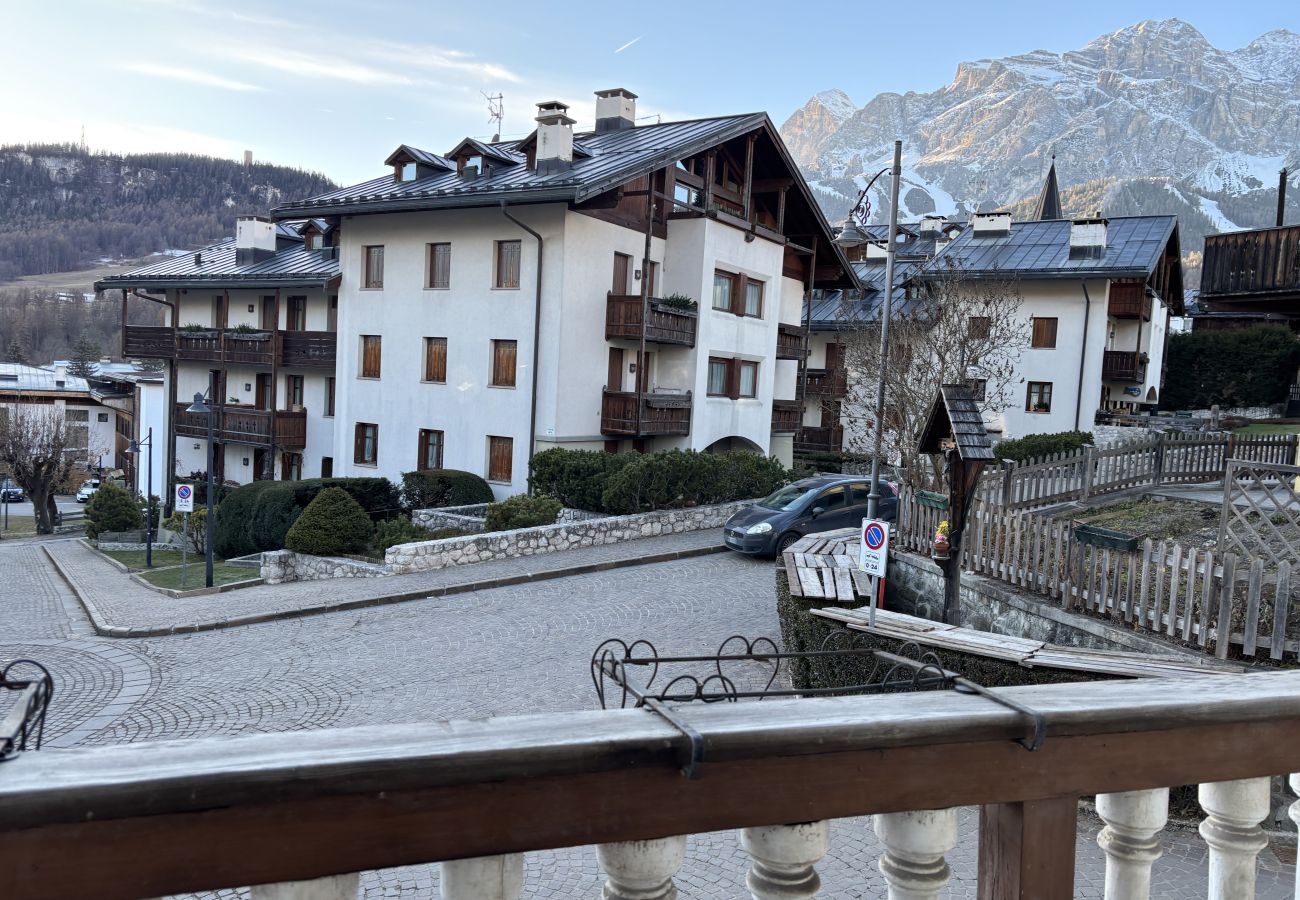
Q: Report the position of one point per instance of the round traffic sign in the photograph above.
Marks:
(874, 536)
(184, 491)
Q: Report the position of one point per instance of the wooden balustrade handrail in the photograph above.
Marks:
(162, 818)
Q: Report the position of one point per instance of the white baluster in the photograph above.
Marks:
(1131, 839)
(332, 887)
(783, 859)
(1233, 811)
(483, 878)
(915, 844)
(642, 870)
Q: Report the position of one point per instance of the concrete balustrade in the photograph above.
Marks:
(1131, 840)
(915, 845)
(1233, 812)
(783, 859)
(483, 878)
(333, 887)
(642, 870)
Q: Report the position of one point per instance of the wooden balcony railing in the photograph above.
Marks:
(1123, 365)
(661, 414)
(1128, 300)
(819, 439)
(149, 820)
(663, 325)
(789, 342)
(786, 415)
(246, 425)
(827, 382)
(311, 349)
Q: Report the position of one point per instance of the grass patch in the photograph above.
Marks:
(222, 573)
(1268, 428)
(134, 559)
(18, 525)
(1184, 521)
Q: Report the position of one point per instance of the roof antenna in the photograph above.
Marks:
(496, 111)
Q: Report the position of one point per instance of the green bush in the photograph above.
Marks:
(1249, 367)
(112, 508)
(331, 524)
(522, 511)
(1033, 446)
(436, 488)
(742, 476)
(400, 530)
(575, 477)
(196, 535)
(257, 516)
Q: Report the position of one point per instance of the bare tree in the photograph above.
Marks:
(950, 329)
(34, 444)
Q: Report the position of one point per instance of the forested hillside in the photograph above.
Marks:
(63, 207)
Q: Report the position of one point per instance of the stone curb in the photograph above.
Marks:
(167, 592)
(97, 619)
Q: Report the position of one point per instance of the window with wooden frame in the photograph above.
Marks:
(719, 380)
(1038, 397)
(737, 294)
(622, 274)
(429, 452)
(439, 267)
(291, 466)
(979, 327)
(293, 391)
(724, 285)
(295, 318)
(506, 268)
(746, 379)
(329, 396)
(435, 359)
(371, 354)
(372, 266)
(734, 378)
(504, 355)
(1044, 333)
(753, 299)
(501, 456)
(327, 467)
(365, 444)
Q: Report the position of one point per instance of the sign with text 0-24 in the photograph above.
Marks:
(184, 498)
(875, 547)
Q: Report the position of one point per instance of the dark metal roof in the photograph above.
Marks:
(956, 414)
(830, 312)
(1041, 250)
(1259, 264)
(504, 153)
(415, 154)
(296, 267)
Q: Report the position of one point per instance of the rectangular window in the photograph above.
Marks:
(435, 359)
(374, 266)
(503, 363)
(293, 391)
(979, 388)
(747, 382)
(440, 266)
(365, 447)
(979, 327)
(622, 273)
(723, 283)
(327, 467)
(718, 372)
(754, 299)
(371, 352)
(429, 452)
(291, 466)
(296, 314)
(501, 452)
(1044, 337)
(507, 265)
(1038, 397)
(329, 396)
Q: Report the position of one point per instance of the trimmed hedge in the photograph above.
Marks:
(258, 516)
(400, 530)
(1249, 367)
(521, 511)
(112, 508)
(332, 523)
(576, 478)
(436, 488)
(1033, 446)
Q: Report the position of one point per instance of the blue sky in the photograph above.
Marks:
(334, 86)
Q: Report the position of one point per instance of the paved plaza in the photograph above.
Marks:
(516, 649)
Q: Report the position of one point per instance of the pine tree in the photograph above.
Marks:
(85, 355)
(15, 352)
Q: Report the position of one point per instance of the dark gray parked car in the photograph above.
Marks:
(10, 491)
(821, 503)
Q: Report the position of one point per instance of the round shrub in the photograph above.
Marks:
(112, 508)
(331, 524)
(257, 516)
(436, 488)
(522, 511)
(1034, 446)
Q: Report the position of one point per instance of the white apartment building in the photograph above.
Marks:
(632, 287)
(91, 423)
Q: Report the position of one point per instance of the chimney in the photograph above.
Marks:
(1088, 238)
(554, 137)
(60, 375)
(248, 158)
(615, 110)
(991, 224)
(933, 224)
(254, 240)
(876, 250)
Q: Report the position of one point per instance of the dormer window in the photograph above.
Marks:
(472, 165)
(408, 172)
(412, 164)
(315, 241)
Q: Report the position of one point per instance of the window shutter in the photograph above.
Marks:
(356, 442)
(739, 285)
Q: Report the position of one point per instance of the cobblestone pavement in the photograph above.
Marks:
(116, 601)
(496, 652)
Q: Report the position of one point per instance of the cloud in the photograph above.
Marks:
(192, 76)
(629, 43)
(116, 135)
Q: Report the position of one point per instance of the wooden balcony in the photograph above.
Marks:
(661, 414)
(308, 349)
(789, 342)
(663, 325)
(1123, 365)
(827, 383)
(246, 425)
(819, 439)
(1128, 300)
(786, 415)
(150, 820)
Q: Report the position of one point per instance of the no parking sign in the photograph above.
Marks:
(874, 554)
(184, 498)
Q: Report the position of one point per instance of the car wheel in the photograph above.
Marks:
(783, 543)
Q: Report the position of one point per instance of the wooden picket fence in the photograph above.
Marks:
(1168, 458)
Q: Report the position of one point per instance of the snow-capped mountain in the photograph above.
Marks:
(1151, 118)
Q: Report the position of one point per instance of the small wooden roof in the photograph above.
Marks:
(955, 414)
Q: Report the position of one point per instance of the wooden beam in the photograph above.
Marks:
(710, 167)
(770, 185)
(1026, 850)
(747, 187)
(780, 211)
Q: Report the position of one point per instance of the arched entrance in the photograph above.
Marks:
(735, 442)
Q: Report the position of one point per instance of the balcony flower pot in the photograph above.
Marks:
(199, 333)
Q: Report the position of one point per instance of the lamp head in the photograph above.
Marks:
(198, 406)
(133, 449)
(850, 235)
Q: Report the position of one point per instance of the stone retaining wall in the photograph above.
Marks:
(279, 566)
(466, 518)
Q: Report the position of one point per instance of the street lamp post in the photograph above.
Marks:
(134, 449)
(200, 407)
(852, 236)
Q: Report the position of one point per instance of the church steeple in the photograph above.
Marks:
(1049, 201)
